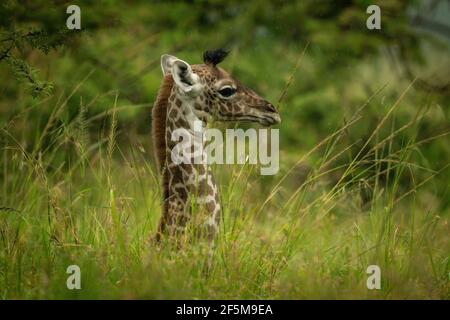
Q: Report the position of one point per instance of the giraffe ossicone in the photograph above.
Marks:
(190, 96)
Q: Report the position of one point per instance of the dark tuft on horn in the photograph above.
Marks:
(214, 57)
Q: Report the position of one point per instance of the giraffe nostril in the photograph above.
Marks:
(270, 108)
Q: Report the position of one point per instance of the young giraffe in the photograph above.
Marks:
(201, 92)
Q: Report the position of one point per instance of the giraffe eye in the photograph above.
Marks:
(227, 91)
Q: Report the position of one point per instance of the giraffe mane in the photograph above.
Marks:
(159, 114)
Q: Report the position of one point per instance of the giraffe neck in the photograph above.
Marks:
(188, 183)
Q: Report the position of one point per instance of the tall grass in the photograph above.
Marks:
(71, 198)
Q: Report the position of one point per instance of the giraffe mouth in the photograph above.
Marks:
(265, 120)
(271, 120)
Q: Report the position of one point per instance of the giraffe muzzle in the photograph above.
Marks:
(271, 116)
(268, 120)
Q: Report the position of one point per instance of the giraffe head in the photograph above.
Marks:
(215, 94)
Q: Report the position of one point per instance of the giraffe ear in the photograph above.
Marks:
(167, 63)
(181, 72)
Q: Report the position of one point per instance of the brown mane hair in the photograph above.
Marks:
(159, 114)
